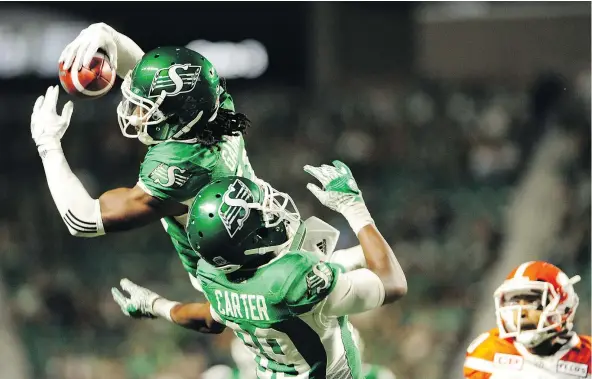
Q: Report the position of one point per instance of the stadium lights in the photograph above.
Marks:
(246, 59)
(35, 48)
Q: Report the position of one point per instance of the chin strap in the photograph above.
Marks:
(294, 242)
(187, 128)
(277, 249)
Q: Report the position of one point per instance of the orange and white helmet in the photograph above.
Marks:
(556, 299)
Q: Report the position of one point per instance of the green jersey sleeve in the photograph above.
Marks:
(311, 283)
(175, 171)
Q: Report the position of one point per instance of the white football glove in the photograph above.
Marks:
(140, 304)
(340, 193)
(47, 127)
(80, 52)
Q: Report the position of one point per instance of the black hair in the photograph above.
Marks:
(226, 123)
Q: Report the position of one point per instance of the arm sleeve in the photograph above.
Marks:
(128, 54)
(80, 212)
(351, 259)
(355, 292)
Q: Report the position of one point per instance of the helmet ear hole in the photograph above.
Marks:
(200, 234)
(218, 196)
(211, 215)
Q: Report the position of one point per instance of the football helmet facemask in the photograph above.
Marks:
(549, 291)
(171, 93)
(234, 220)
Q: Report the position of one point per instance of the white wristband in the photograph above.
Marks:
(45, 146)
(162, 308)
(357, 216)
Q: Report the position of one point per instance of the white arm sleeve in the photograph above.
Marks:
(162, 308)
(80, 212)
(355, 292)
(128, 53)
(351, 259)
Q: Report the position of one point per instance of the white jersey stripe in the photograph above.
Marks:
(479, 364)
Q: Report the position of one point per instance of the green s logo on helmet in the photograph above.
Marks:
(176, 79)
(234, 209)
(234, 220)
(171, 94)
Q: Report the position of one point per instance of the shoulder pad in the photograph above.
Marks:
(480, 356)
(320, 236)
(487, 344)
(580, 355)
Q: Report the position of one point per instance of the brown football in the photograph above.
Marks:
(92, 81)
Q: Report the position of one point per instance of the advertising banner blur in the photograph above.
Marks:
(235, 38)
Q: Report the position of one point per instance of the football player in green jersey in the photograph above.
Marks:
(174, 102)
(287, 306)
(245, 367)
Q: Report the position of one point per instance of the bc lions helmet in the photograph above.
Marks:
(551, 292)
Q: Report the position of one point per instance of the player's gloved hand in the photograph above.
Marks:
(340, 193)
(140, 304)
(79, 52)
(47, 127)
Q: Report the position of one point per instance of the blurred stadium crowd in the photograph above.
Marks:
(440, 164)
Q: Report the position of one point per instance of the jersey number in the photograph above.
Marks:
(260, 344)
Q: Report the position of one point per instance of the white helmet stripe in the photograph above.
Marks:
(520, 271)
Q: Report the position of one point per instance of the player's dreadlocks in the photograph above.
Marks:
(226, 123)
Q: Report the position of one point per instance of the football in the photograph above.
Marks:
(92, 81)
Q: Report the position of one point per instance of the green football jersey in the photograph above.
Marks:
(272, 312)
(178, 171)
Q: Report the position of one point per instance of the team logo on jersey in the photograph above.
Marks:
(319, 279)
(168, 176)
(234, 209)
(174, 80)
